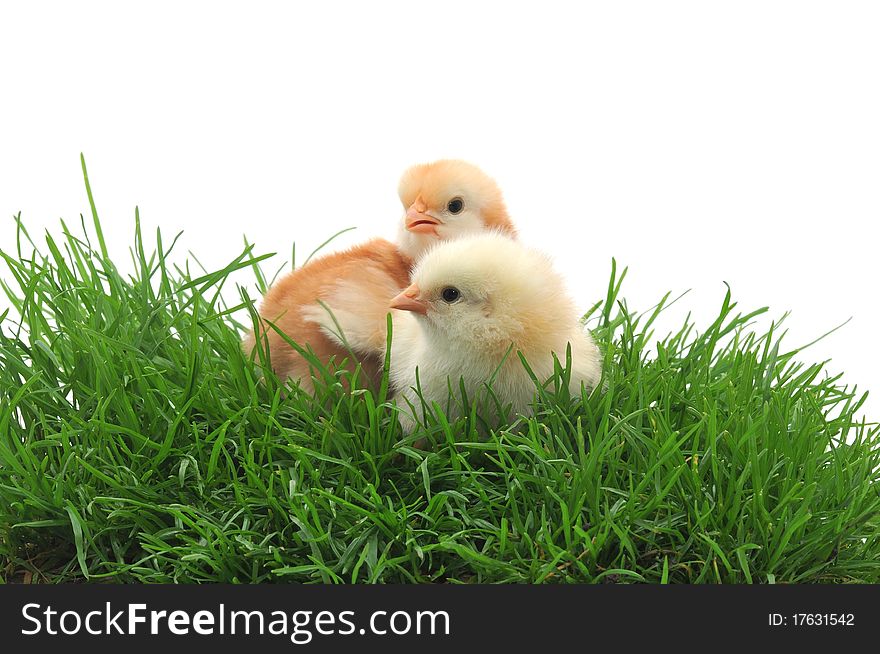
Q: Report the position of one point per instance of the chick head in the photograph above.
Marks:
(445, 200)
(484, 292)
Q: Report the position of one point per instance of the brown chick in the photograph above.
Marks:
(444, 200)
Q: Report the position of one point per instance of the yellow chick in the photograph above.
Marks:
(443, 200)
(473, 303)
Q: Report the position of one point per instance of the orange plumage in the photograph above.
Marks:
(378, 261)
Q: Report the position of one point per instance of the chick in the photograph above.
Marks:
(443, 200)
(472, 304)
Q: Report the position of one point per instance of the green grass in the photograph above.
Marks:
(137, 444)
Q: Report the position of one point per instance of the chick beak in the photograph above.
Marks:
(409, 300)
(418, 221)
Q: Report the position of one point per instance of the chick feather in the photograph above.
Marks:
(379, 269)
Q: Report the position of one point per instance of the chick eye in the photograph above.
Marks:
(455, 205)
(450, 294)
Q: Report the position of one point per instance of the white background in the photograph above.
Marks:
(696, 142)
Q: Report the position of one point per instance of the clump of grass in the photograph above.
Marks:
(138, 444)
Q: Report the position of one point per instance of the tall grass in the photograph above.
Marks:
(138, 444)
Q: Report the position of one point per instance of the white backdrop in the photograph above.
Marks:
(696, 142)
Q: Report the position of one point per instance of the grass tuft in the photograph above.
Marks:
(137, 444)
